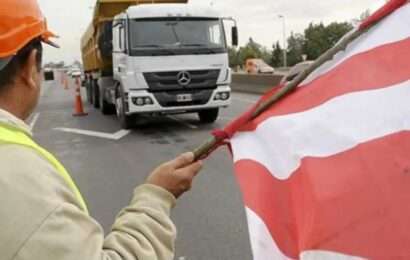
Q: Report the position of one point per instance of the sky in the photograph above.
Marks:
(258, 19)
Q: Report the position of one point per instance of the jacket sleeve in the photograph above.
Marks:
(142, 231)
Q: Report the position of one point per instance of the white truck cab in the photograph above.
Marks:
(169, 58)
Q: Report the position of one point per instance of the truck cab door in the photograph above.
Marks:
(119, 48)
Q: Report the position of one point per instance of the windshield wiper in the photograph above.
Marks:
(202, 47)
(149, 46)
(194, 45)
(162, 51)
(159, 49)
(174, 31)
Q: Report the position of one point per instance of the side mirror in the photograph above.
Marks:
(235, 38)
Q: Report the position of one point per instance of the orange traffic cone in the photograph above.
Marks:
(78, 106)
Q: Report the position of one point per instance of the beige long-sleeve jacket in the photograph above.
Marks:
(40, 218)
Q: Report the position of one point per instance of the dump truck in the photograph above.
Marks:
(157, 57)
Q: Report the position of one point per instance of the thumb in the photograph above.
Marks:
(183, 160)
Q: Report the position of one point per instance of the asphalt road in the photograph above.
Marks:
(210, 219)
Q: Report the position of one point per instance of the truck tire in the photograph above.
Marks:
(95, 94)
(106, 108)
(209, 115)
(126, 121)
(88, 91)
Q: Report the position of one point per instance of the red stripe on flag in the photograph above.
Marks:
(387, 9)
(355, 202)
(271, 200)
(376, 69)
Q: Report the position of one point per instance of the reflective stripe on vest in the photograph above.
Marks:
(12, 135)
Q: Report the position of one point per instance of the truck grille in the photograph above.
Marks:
(168, 81)
(169, 99)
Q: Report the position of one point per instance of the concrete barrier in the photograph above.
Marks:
(254, 83)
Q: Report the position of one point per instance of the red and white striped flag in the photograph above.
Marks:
(325, 173)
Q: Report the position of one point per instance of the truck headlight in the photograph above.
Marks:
(222, 96)
(225, 95)
(148, 101)
(142, 101)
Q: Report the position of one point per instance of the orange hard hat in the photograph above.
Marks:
(20, 22)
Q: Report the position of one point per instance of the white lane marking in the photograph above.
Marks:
(34, 120)
(115, 136)
(183, 122)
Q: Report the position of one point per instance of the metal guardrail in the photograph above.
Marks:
(254, 83)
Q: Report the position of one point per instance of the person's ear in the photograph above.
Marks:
(29, 70)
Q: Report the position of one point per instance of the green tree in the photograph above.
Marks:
(233, 57)
(315, 43)
(277, 55)
(335, 31)
(296, 43)
(266, 55)
(251, 50)
(255, 47)
(319, 38)
(246, 53)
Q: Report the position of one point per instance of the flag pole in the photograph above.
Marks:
(327, 56)
(210, 144)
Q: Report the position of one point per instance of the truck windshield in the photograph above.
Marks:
(178, 34)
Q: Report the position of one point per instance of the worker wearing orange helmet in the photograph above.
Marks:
(43, 215)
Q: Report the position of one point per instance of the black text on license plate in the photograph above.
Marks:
(184, 98)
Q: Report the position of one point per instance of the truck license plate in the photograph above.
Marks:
(184, 98)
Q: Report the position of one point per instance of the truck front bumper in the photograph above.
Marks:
(166, 103)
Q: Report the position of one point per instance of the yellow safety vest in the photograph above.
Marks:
(13, 135)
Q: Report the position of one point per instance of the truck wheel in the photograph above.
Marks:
(96, 94)
(126, 121)
(106, 108)
(209, 115)
(88, 91)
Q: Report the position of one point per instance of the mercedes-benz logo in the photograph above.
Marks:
(184, 78)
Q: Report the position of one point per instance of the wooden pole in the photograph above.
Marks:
(210, 144)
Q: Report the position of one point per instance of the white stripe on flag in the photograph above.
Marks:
(265, 248)
(263, 245)
(280, 143)
(325, 255)
(392, 29)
